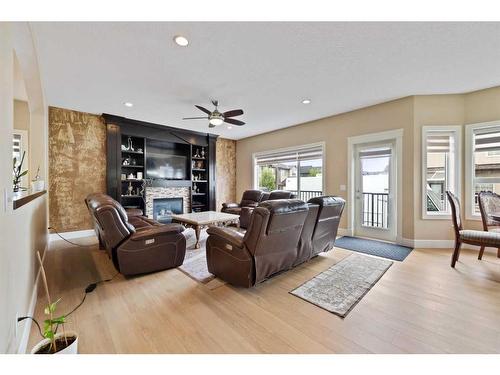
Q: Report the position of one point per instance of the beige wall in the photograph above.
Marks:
(410, 114)
(21, 115)
(334, 131)
(22, 231)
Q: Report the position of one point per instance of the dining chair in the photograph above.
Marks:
(472, 237)
(489, 203)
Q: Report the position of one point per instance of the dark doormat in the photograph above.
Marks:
(372, 247)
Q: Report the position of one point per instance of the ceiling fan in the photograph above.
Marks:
(216, 118)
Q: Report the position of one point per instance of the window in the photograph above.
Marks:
(299, 170)
(440, 169)
(483, 164)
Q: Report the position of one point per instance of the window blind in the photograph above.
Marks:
(487, 139)
(309, 153)
(375, 153)
(438, 142)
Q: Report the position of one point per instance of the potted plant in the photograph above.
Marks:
(65, 342)
(18, 174)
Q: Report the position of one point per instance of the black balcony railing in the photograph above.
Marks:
(375, 210)
(305, 195)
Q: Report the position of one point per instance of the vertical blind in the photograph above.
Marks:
(309, 153)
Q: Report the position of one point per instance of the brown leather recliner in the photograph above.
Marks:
(250, 198)
(149, 247)
(327, 223)
(246, 212)
(269, 246)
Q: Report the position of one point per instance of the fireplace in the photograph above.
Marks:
(163, 208)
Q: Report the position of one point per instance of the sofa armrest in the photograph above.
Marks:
(230, 205)
(245, 216)
(232, 236)
(157, 230)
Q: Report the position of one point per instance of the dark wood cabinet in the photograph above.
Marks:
(128, 176)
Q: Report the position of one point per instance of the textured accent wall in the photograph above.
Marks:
(77, 166)
(225, 164)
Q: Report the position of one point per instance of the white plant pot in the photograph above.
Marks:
(38, 185)
(71, 349)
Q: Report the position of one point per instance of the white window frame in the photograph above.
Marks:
(457, 131)
(469, 166)
(256, 155)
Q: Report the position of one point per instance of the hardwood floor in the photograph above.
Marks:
(420, 305)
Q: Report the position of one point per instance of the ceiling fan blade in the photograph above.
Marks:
(234, 121)
(195, 118)
(233, 113)
(203, 109)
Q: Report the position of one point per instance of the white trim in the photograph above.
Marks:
(72, 235)
(469, 163)
(390, 135)
(25, 335)
(287, 149)
(457, 130)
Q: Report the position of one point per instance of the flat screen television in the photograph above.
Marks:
(166, 160)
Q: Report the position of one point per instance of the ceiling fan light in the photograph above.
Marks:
(216, 121)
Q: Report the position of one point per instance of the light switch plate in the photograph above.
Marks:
(342, 188)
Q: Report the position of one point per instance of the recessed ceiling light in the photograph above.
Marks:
(306, 101)
(181, 40)
(128, 104)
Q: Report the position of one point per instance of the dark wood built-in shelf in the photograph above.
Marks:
(184, 144)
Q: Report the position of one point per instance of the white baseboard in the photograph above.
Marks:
(25, 335)
(72, 235)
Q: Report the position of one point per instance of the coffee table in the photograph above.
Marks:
(200, 220)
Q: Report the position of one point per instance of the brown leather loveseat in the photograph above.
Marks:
(281, 234)
(136, 244)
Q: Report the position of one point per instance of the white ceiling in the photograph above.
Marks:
(264, 68)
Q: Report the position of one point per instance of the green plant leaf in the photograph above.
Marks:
(51, 308)
(59, 320)
(22, 174)
(49, 334)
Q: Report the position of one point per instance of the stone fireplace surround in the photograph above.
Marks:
(167, 192)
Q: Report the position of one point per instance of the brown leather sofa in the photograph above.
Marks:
(135, 244)
(282, 234)
(246, 208)
(250, 198)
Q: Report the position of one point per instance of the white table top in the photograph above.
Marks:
(205, 217)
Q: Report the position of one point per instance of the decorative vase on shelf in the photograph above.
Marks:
(203, 153)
